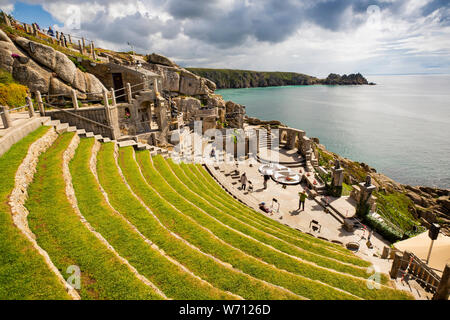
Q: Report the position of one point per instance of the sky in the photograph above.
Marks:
(315, 37)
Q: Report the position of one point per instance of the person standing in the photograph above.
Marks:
(302, 200)
(243, 181)
(266, 178)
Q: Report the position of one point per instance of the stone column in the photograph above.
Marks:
(40, 103)
(385, 254)
(6, 118)
(128, 91)
(443, 290)
(292, 135)
(155, 86)
(366, 191)
(30, 107)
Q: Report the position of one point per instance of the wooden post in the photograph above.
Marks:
(113, 97)
(70, 39)
(405, 260)
(443, 290)
(80, 47)
(129, 95)
(30, 107)
(385, 253)
(93, 50)
(40, 103)
(84, 43)
(105, 98)
(6, 118)
(396, 265)
(74, 99)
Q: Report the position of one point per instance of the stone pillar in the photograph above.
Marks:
(292, 135)
(30, 107)
(366, 191)
(155, 86)
(40, 103)
(74, 99)
(338, 175)
(128, 91)
(6, 118)
(443, 290)
(35, 31)
(113, 97)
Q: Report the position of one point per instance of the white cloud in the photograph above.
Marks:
(392, 37)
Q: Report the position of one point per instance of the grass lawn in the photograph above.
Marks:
(68, 242)
(201, 264)
(168, 277)
(23, 271)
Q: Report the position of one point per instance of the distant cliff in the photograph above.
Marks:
(229, 78)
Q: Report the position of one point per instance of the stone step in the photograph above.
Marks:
(53, 123)
(72, 129)
(126, 143)
(140, 146)
(89, 134)
(98, 137)
(81, 131)
(61, 128)
(106, 140)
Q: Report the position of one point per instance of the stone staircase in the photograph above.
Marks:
(122, 143)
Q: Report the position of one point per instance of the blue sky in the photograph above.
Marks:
(30, 13)
(309, 36)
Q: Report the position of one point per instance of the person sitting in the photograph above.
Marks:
(264, 207)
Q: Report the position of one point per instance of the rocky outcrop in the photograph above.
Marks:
(45, 69)
(351, 79)
(234, 114)
(159, 59)
(226, 78)
(187, 105)
(429, 205)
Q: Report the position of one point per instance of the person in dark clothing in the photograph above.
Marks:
(243, 181)
(266, 178)
(50, 32)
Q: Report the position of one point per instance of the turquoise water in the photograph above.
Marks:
(401, 126)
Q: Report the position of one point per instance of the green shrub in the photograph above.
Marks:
(13, 94)
(383, 229)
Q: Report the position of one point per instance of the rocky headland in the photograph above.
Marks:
(230, 78)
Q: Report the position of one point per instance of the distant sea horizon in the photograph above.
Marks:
(401, 126)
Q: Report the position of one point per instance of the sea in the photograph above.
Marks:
(400, 126)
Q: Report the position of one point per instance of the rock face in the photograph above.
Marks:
(43, 68)
(187, 105)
